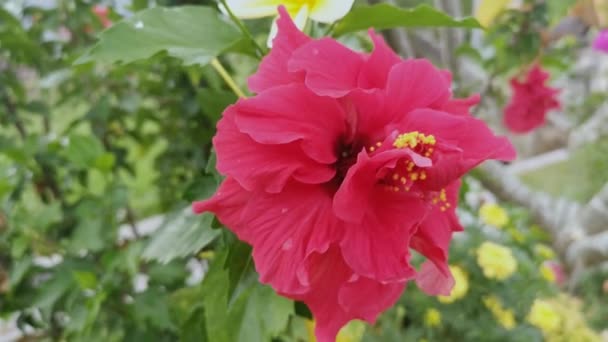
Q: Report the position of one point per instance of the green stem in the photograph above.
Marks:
(227, 78)
(258, 49)
(330, 29)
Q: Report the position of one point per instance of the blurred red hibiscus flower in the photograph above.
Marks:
(531, 101)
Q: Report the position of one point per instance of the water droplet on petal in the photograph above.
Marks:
(287, 245)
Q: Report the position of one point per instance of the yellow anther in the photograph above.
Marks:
(406, 140)
(447, 205)
(403, 180)
(442, 196)
(412, 139)
(442, 209)
(410, 166)
(372, 149)
(378, 144)
(395, 176)
(414, 176)
(396, 189)
(422, 175)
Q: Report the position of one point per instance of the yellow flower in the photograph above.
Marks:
(547, 273)
(461, 286)
(544, 251)
(544, 316)
(488, 10)
(432, 318)
(505, 317)
(352, 332)
(496, 261)
(325, 11)
(493, 214)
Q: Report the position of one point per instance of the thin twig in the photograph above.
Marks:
(215, 63)
(132, 222)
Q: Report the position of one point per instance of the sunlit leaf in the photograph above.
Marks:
(385, 16)
(182, 235)
(194, 34)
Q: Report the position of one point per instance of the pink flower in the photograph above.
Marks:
(531, 101)
(558, 272)
(601, 41)
(340, 164)
(101, 12)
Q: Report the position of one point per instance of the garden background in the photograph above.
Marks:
(105, 141)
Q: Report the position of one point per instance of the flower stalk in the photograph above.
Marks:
(215, 63)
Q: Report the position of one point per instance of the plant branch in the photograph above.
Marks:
(215, 63)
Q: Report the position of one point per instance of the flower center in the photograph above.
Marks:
(406, 172)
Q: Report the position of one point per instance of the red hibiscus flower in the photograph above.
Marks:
(531, 101)
(340, 164)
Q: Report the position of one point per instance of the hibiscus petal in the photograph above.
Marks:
(338, 296)
(461, 106)
(432, 239)
(366, 298)
(328, 273)
(273, 68)
(229, 200)
(331, 68)
(371, 114)
(255, 165)
(374, 72)
(377, 247)
(292, 113)
(433, 281)
(463, 142)
(354, 197)
(299, 19)
(415, 84)
(284, 228)
(380, 222)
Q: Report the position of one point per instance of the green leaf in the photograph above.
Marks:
(258, 314)
(89, 235)
(237, 263)
(194, 34)
(105, 162)
(83, 150)
(52, 290)
(152, 307)
(385, 16)
(214, 102)
(181, 235)
(86, 280)
(194, 329)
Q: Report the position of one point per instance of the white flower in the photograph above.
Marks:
(325, 11)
